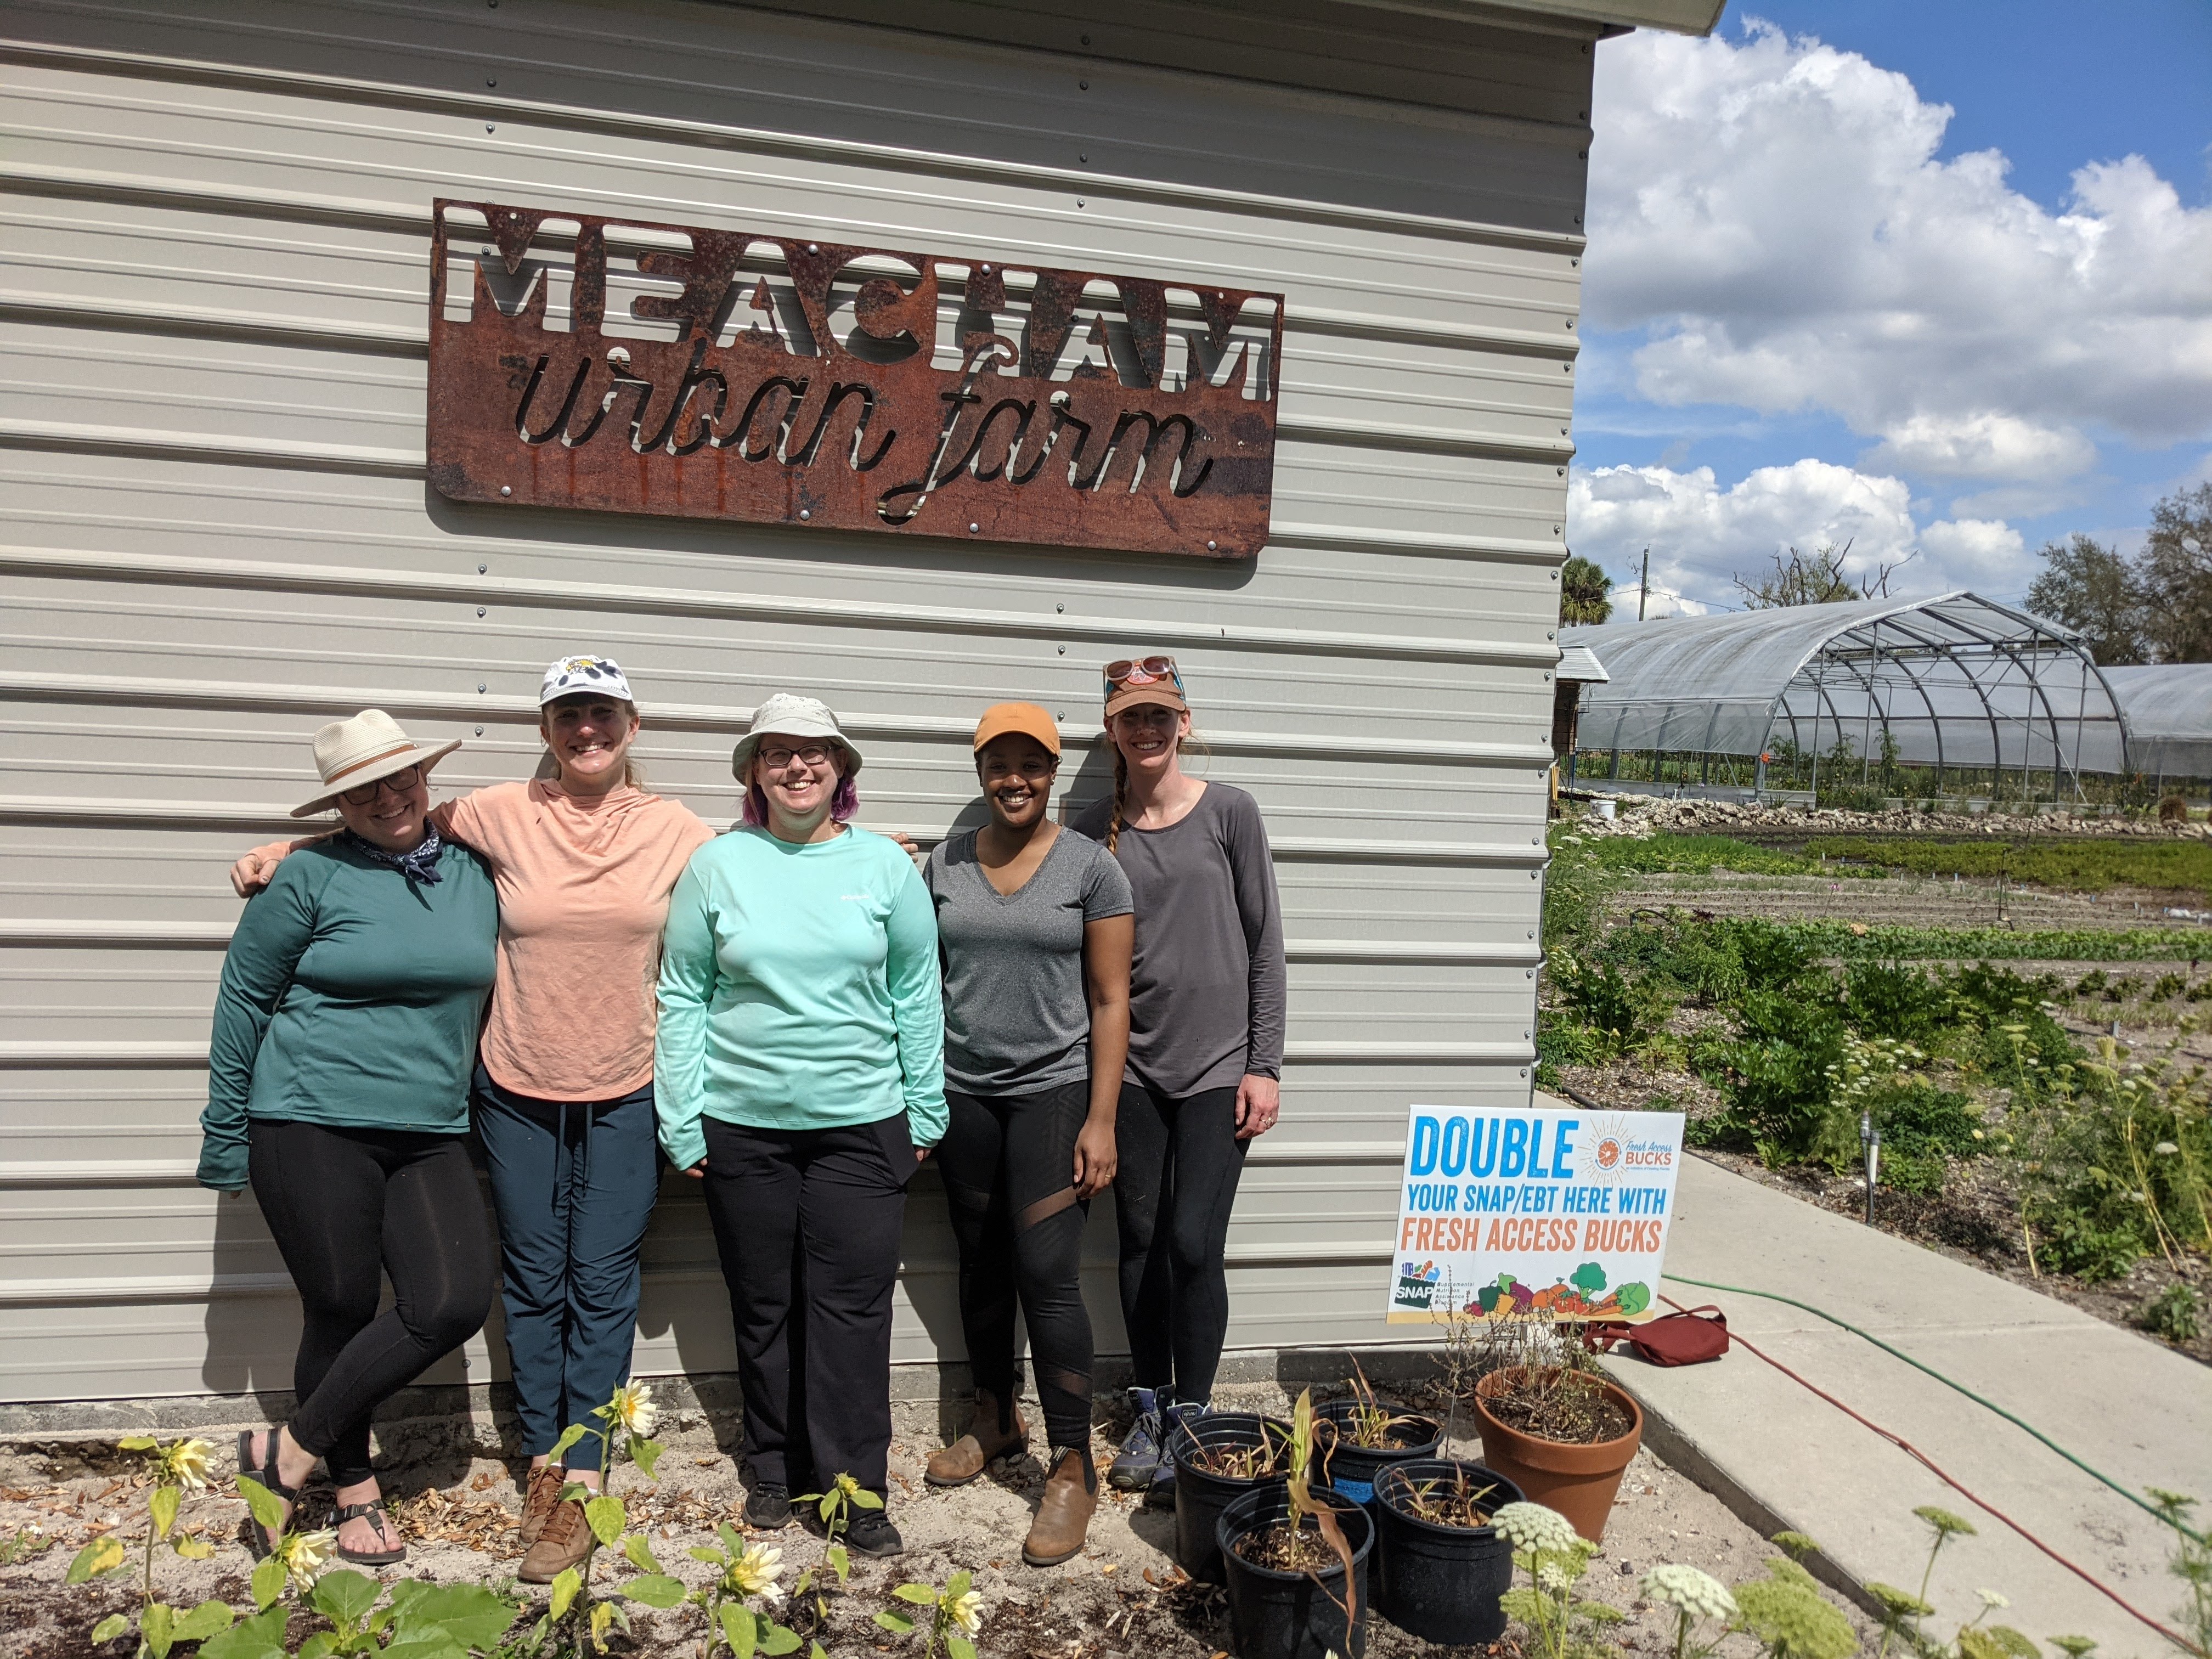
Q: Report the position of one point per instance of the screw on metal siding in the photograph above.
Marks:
(1063, 650)
(480, 610)
(1082, 158)
(805, 513)
(975, 528)
(1059, 607)
(489, 128)
(481, 569)
(1083, 86)
(481, 686)
(507, 490)
(1079, 202)
(480, 731)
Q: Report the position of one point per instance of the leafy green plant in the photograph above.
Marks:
(954, 1614)
(1696, 1598)
(1902, 1611)
(2191, 1563)
(743, 1571)
(2173, 1313)
(24, 1544)
(835, 1509)
(573, 1614)
(179, 1467)
(1560, 1624)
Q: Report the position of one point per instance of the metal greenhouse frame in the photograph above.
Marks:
(1957, 683)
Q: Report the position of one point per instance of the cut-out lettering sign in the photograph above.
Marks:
(627, 367)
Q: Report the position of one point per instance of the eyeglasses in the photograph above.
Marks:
(397, 782)
(1132, 671)
(814, 754)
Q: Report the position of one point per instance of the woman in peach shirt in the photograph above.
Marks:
(584, 861)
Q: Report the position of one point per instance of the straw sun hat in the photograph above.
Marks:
(369, 746)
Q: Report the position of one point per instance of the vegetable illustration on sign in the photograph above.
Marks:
(1540, 1213)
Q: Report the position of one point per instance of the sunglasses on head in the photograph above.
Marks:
(397, 782)
(1140, 671)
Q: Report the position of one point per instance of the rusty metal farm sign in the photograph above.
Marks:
(634, 368)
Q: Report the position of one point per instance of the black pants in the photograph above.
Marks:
(806, 1222)
(1008, 1162)
(343, 1204)
(1180, 1161)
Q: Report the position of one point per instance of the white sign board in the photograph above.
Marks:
(1532, 1211)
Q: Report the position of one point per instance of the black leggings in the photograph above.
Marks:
(342, 1204)
(1008, 1164)
(1180, 1161)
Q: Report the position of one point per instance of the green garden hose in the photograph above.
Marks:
(1822, 1313)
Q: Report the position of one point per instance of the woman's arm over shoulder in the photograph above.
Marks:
(272, 934)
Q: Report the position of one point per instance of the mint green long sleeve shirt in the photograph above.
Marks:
(350, 997)
(799, 990)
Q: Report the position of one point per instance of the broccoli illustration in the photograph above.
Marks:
(1634, 1298)
(1590, 1279)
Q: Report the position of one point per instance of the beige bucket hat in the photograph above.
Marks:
(790, 716)
(369, 746)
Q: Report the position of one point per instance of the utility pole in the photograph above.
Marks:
(1643, 587)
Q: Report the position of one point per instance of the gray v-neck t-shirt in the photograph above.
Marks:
(1016, 1014)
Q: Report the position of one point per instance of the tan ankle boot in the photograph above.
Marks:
(540, 1493)
(968, 1456)
(1063, 1519)
(564, 1543)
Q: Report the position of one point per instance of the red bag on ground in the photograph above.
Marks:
(1675, 1339)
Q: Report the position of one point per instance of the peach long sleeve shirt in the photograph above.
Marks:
(583, 895)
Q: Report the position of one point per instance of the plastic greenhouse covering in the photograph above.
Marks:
(1955, 681)
(2169, 709)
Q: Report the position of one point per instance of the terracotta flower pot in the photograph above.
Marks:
(1578, 1481)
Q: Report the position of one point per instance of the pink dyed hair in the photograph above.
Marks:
(844, 801)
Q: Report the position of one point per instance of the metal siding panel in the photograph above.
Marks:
(217, 535)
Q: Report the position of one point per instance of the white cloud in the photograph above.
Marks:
(1773, 212)
(1701, 535)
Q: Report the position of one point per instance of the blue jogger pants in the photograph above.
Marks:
(573, 1183)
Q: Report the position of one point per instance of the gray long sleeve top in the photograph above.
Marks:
(1208, 989)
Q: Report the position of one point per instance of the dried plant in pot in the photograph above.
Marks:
(1439, 1565)
(1217, 1457)
(1295, 1555)
(1562, 1432)
(1357, 1439)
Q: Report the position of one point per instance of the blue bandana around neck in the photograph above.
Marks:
(418, 863)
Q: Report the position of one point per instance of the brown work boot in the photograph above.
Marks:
(968, 1456)
(540, 1493)
(562, 1542)
(1063, 1519)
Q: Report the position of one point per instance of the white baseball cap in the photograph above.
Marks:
(791, 716)
(570, 675)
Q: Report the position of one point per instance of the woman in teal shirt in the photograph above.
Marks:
(345, 1030)
(798, 1071)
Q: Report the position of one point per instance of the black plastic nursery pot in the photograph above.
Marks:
(1200, 1496)
(1294, 1615)
(1439, 1582)
(1354, 1470)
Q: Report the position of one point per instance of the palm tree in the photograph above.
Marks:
(1583, 590)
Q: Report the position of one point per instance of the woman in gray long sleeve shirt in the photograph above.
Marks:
(1207, 996)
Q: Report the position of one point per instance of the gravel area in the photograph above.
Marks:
(1122, 1596)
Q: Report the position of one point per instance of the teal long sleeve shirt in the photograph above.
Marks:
(350, 997)
(799, 990)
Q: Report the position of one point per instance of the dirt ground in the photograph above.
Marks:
(1123, 1596)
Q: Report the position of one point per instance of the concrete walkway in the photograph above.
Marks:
(1781, 1455)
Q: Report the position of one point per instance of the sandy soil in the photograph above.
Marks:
(1122, 1596)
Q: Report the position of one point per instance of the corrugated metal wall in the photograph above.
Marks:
(213, 244)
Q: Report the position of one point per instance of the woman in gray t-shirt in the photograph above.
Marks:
(1035, 930)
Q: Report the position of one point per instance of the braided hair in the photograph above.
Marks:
(1120, 787)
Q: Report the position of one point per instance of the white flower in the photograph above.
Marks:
(185, 1463)
(2165, 1149)
(757, 1571)
(1685, 1588)
(633, 1408)
(306, 1554)
(1992, 1601)
(1551, 1577)
(1533, 1527)
(967, 1611)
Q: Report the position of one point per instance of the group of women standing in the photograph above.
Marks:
(590, 979)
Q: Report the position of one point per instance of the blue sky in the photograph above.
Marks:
(1823, 306)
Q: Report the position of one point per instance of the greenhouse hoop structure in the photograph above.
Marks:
(2168, 711)
(1958, 684)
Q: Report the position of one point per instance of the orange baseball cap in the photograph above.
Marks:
(1026, 717)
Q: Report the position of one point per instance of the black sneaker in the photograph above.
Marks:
(767, 1507)
(872, 1534)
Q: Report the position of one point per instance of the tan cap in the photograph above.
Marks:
(1135, 681)
(1026, 717)
(369, 746)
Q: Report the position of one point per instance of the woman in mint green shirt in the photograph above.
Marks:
(798, 1071)
(345, 1030)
